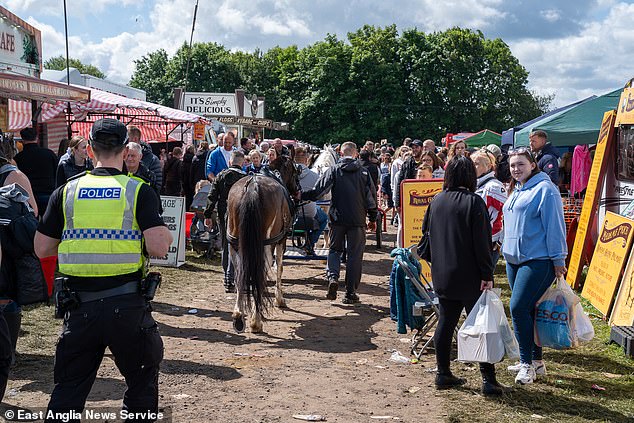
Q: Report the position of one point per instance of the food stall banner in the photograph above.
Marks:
(416, 195)
(604, 274)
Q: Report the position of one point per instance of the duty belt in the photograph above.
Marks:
(128, 288)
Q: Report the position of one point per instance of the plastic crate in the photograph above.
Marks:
(624, 336)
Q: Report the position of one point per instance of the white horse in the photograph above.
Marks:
(327, 158)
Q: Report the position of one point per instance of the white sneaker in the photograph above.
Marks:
(526, 374)
(539, 365)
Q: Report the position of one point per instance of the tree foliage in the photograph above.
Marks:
(59, 63)
(376, 84)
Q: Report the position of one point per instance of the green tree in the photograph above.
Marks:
(59, 63)
(376, 84)
(151, 74)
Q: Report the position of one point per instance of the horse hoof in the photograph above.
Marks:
(256, 329)
(238, 324)
(281, 304)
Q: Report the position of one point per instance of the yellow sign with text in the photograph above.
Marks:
(609, 256)
(199, 131)
(625, 109)
(623, 311)
(591, 202)
(416, 195)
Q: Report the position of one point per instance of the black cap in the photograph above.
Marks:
(112, 127)
(417, 142)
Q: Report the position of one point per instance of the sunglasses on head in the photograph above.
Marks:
(522, 151)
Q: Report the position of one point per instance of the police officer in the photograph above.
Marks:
(102, 224)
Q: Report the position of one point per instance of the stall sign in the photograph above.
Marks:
(623, 312)
(609, 256)
(591, 201)
(199, 131)
(209, 104)
(416, 195)
(174, 218)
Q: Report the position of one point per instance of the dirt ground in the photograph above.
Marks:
(317, 357)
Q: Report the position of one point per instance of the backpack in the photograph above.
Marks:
(21, 269)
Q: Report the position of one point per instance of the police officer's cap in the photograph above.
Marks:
(111, 127)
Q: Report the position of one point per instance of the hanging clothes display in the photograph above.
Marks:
(581, 166)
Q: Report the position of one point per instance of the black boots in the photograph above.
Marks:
(445, 379)
(490, 385)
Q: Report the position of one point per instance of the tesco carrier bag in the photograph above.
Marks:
(553, 311)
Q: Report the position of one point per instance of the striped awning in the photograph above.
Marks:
(20, 115)
(104, 102)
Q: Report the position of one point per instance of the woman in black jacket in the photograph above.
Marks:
(74, 162)
(460, 241)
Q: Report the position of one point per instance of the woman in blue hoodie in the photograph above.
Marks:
(535, 251)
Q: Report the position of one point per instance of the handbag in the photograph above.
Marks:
(423, 249)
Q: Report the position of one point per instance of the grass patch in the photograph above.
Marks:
(565, 394)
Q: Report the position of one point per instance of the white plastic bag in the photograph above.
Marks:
(479, 338)
(582, 329)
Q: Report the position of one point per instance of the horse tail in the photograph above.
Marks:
(252, 267)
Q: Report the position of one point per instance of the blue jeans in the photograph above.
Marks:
(322, 219)
(528, 283)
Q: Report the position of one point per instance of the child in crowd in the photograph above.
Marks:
(424, 171)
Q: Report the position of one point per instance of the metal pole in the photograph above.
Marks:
(70, 131)
(189, 52)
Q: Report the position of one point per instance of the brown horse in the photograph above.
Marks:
(259, 217)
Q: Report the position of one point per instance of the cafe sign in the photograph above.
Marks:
(20, 45)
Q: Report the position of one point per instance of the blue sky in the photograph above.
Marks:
(572, 48)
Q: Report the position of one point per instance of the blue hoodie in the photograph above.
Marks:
(534, 227)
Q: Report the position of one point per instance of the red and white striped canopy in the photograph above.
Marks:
(105, 102)
(156, 122)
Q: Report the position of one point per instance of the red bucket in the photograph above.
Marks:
(48, 268)
(189, 216)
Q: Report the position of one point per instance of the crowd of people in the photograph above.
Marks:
(493, 203)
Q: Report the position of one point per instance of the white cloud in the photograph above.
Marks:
(551, 15)
(436, 15)
(591, 62)
(589, 59)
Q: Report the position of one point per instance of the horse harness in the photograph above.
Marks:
(253, 177)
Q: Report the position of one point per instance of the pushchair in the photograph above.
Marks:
(204, 241)
(301, 245)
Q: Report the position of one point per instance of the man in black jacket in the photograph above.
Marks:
(353, 197)
(546, 155)
(217, 199)
(149, 159)
(39, 164)
(365, 157)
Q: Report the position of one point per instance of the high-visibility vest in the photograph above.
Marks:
(101, 236)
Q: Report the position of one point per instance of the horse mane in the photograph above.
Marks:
(327, 158)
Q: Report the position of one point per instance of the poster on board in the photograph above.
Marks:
(609, 256)
(416, 195)
(174, 218)
(623, 311)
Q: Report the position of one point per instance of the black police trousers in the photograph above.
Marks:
(125, 325)
(6, 354)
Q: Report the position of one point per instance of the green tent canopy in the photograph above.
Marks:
(483, 138)
(577, 125)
